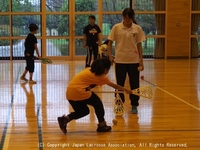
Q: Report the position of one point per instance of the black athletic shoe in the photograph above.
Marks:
(104, 128)
(62, 121)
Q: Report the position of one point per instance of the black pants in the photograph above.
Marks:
(90, 50)
(30, 63)
(121, 71)
(81, 109)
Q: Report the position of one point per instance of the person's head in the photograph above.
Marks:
(128, 16)
(92, 19)
(100, 66)
(33, 27)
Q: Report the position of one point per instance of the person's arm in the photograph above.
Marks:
(36, 49)
(84, 40)
(139, 47)
(110, 51)
(99, 35)
(111, 38)
(118, 87)
(99, 39)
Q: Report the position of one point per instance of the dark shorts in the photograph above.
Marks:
(30, 63)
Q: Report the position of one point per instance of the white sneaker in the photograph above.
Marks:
(32, 82)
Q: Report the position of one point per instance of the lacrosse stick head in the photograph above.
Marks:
(118, 106)
(144, 91)
(46, 61)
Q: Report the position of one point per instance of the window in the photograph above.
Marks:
(63, 24)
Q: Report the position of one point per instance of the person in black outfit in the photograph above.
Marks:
(30, 46)
(91, 39)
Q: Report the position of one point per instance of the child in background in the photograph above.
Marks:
(91, 40)
(30, 46)
(79, 95)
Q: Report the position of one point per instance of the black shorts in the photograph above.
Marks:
(30, 63)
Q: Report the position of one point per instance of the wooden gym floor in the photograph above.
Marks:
(170, 120)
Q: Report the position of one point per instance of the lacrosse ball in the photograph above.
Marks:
(142, 77)
(114, 121)
(140, 68)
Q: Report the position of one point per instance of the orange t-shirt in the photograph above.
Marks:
(76, 89)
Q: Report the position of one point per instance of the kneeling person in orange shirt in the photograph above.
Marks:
(79, 95)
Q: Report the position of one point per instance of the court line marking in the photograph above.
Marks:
(7, 127)
(39, 126)
(40, 142)
(7, 136)
(145, 130)
(173, 95)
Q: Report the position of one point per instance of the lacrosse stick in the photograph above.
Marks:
(118, 106)
(46, 60)
(144, 91)
(102, 50)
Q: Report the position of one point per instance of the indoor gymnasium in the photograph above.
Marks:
(156, 106)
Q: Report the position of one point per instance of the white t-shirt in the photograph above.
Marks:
(126, 40)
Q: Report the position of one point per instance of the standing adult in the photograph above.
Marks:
(128, 38)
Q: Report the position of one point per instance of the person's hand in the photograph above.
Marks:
(84, 45)
(27, 54)
(99, 44)
(140, 68)
(141, 65)
(39, 57)
(128, 91)
(111, 59)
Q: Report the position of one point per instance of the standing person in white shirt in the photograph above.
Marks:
(128, 38)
